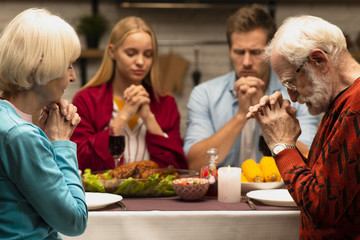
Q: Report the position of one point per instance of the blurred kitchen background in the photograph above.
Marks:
(190, 33)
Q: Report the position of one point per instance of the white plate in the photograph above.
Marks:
(250, 186)
(276, 197)
(99, 200)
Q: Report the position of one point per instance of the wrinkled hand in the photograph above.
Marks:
(277, 120)
(248, 91)
(58, 121)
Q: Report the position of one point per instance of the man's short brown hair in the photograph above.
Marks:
(249, 18)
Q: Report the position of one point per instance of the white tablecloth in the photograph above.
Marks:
(191, 225)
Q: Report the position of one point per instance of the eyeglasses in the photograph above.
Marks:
(289, 84)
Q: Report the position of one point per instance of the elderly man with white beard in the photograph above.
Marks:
(310, 57)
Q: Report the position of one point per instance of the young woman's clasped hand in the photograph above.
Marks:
(137, 102)
(136, 98)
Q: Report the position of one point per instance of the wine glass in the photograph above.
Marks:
(116, 147)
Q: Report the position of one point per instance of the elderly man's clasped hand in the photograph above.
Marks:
(277, 120)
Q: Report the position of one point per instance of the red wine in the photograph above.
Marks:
(116, 145)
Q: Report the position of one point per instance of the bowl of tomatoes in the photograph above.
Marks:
(191, 188)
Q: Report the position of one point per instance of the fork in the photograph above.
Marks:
(121, 204)
(246, 199)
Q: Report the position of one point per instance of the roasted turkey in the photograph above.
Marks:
(141, 170)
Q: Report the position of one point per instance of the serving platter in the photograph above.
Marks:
(130, 187)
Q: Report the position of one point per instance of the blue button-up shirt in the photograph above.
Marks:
(212, 104)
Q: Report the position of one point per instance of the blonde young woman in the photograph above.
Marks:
(41, 191)
(125, 97)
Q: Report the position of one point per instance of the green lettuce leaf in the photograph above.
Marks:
(154, 186)
(165, 187)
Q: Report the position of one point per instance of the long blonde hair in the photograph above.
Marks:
(119, 33)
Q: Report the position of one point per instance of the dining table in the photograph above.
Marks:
(171, 218)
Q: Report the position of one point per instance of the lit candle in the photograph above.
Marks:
(229, 184)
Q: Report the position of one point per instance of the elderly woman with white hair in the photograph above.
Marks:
(41, 191)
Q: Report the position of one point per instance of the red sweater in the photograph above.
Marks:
(326, 186)
(95, 106)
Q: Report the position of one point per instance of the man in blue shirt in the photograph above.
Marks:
(217, 108)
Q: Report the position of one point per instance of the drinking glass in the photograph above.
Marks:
(116, 147)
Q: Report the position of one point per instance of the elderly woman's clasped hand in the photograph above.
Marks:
(277, 120)
(58, 120)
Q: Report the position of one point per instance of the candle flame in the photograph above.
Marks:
(228, 165)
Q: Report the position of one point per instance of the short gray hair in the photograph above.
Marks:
(297, 36)
(35, 48)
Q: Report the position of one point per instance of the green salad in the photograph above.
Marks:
(154, 186)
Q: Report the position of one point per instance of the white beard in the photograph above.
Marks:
(319, 100)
